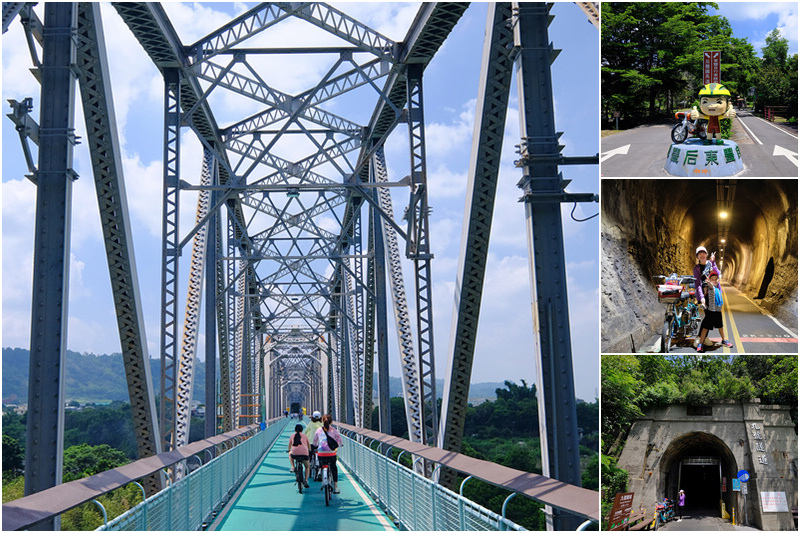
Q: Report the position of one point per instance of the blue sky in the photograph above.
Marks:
(505, 339)
(755, 20)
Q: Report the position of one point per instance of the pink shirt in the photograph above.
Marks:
(302, 448)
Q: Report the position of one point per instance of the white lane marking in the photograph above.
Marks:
(776, 127)
(765, 313)
(382, 519)
(791, 156)
(622, 150)
(753, 135)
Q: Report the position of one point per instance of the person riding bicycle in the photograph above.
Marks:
(311, 429)
(298, 450)
(327, 439)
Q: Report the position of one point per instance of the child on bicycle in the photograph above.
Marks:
(298, 450)
(712, 293)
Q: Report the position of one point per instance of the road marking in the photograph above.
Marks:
(776, 127)
(622, 150)
(753, 135)
(763, 312)
(382, 519)
(768, 339)
(734, 332)
(791, 156)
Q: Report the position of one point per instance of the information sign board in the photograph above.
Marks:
(712, 66)
(621, 511)
(736, 485)
(774, 502)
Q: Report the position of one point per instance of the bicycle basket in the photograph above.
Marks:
(669, 294)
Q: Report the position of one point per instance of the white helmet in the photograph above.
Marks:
(316, 414)
(700, 249)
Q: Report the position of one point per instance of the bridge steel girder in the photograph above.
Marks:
(408, 355)
(558, 429)
(45, 432)
(10, 10)
(104, 150)
(418, 249)
(492, 107)
(169, 262)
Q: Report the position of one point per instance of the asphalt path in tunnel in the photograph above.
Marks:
(767, 150)
(750, 328)
(269, 501)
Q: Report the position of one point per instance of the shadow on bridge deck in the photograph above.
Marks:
(269, 500)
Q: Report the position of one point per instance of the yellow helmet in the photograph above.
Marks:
(714, 89)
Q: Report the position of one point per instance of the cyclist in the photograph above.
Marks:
(323, 438)
(298, 450)
(311, 429)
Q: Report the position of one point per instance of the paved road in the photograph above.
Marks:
(269, 501)
(703, 523)
(746, 325)
(767, 150)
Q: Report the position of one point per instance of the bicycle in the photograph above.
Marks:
(327, 483)
(299, 474)
(313, 465)
(682, 317)
(665, 511)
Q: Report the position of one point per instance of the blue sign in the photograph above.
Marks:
(743, 476)
(736, 485)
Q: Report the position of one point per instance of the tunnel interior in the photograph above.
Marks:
(652, 228)
(697, 462)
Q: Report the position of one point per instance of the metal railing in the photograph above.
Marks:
(417, 503)
(190, 502)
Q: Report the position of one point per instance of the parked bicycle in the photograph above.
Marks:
(682, 317)
(665, 511)
(686, 127)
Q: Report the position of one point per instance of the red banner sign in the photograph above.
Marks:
(712, 69)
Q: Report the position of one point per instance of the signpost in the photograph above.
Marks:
(712, 66)
(736, 485)
(621, 511)
(743, 476)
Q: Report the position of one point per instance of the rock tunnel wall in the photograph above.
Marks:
(652, 227)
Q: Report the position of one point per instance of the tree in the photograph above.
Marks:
(652, 52)
(620, 386)
(13, 456)
(84, 460)
(776, 51)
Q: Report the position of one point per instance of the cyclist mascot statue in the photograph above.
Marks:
(715, 103)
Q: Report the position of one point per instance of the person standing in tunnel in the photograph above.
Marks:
(681, 501)
(713, 308)
(700, 269)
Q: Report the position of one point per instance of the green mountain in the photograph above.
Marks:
(101, 378)
(89, 377)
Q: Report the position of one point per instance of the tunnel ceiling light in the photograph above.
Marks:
(723, 214)
(722, 240)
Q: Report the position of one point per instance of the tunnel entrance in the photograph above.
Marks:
(295, 407)
(702, 465)
(768, 273)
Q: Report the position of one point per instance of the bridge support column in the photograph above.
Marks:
(45, 435)
(542, 183)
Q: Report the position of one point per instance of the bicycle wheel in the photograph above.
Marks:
(666, 335)
(298, 474)
(679, 133)
(326, 485)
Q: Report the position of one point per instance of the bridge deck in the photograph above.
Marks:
(269, 500)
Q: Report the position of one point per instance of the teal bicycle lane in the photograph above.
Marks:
(269, 501)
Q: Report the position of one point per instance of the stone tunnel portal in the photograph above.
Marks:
(703, 466)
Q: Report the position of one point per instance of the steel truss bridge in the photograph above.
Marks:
(296, 246)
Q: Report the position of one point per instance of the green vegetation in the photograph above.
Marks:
(633, 383)
(653, 58)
